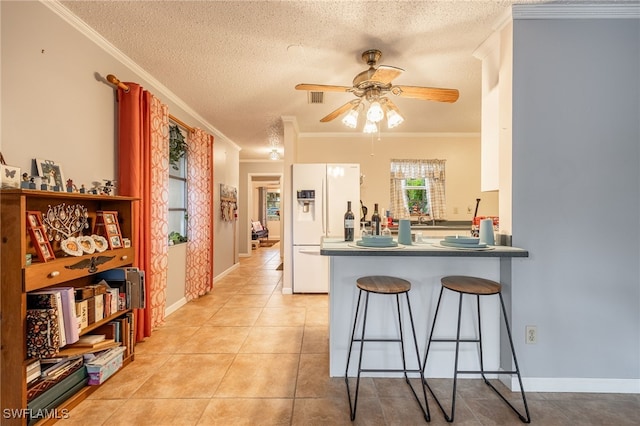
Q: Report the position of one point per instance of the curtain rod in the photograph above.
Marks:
(116, 82)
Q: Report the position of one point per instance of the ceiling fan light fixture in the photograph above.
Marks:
(370, 127)
(351, 119)
(375, 113)
(394, 119)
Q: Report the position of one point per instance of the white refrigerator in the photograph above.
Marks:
(319, 201)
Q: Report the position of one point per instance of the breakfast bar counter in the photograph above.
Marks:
(423, 265)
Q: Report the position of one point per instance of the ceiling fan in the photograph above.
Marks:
(373, 85)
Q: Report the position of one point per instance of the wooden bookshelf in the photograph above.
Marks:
(18, 278)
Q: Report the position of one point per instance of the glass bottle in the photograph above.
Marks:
(375, 221)
(349, 223)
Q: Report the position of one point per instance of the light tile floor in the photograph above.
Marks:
(245, 354)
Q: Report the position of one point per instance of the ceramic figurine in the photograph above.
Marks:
(27, 182)
(70, 185)
(83, 190)
(108, 187)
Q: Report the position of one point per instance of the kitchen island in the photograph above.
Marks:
(423, 265)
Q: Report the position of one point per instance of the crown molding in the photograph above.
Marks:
(577, 11)
(64, 13)
(256, 160)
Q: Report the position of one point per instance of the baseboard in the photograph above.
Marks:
(174, 307)
(226, 272)
(575, 385)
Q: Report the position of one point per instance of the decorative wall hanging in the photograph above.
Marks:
(228, 202)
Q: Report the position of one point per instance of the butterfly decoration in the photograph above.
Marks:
(10, 173)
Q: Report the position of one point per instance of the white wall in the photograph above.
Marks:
(57, 105)
(576, 202)
(461, 152)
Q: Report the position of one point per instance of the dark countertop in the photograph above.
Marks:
(430, 247)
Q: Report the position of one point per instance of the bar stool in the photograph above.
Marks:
(475, 287)
(384, 285)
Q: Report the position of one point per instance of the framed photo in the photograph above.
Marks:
(112, 229)
(108, 218)
(33, 220)
(38, 234)
(116, 241)
(46, 254)
(51, 171)
(10, 176)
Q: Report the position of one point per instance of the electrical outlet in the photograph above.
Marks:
(531, 334)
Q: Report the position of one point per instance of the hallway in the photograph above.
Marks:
(245, 354)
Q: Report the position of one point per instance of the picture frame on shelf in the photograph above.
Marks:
(10, 177)
(38, 235)
(115, 241)
(52, 171)
(107, 226)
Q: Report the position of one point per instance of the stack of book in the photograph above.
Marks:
(33, 370)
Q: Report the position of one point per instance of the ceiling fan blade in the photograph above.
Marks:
(426, 93)
(336, 113)
(323, 88)
(386, 73)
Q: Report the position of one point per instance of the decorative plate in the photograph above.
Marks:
(461, 239)
(71, 247)
(100, 243)
(86, 244)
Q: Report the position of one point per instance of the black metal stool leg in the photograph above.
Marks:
(352, 406)
(425, 409)
(385, 286)
(480, 351)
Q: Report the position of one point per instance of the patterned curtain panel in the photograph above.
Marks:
(143, 151)
(199, 278)
(434, 173)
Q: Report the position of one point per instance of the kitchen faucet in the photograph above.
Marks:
(422, 220)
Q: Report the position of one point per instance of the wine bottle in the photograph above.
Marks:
(349, 223)
(375, 221)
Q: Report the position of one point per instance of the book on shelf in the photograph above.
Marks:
(82, 313)
(72, 350)
(34, 369)
(71, 329)
(43, 335)
(90, 340)
(49, 299)
(44, 383)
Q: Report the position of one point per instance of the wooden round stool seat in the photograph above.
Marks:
(383, 284)
(471, 285)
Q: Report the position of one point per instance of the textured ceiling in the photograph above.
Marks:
(236, 62)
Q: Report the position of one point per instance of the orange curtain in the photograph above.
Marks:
(143, 164)
(199, 279)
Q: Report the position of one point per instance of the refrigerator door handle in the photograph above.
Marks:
(324, 211)
(314, 252)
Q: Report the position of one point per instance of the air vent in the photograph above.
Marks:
(316, 97)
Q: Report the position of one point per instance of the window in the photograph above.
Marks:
(416, 195)
(177, 185)
(417, 188)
